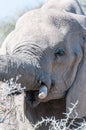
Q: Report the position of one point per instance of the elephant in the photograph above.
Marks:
(47, 48)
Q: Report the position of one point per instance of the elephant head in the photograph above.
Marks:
(48, 50)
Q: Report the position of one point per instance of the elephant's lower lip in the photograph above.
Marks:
(32, 98)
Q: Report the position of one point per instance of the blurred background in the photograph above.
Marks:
(11, 10)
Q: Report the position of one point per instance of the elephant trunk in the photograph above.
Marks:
(13, 66)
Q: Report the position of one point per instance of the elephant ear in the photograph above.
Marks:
(77, 92)
(81, 19)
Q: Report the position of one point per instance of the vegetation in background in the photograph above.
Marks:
(8, 24)
(6, 27)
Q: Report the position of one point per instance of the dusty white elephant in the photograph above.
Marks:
(48, 48)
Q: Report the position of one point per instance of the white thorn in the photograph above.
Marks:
(43, 92)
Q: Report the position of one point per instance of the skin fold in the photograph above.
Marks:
(47, 48)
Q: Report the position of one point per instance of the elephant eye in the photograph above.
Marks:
(59, 52)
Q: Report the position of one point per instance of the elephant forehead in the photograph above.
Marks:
(38, 28)
(44, 27)
(50, 17)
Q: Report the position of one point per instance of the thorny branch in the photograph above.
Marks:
(8, 107)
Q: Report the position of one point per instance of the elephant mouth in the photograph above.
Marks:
(32, 98)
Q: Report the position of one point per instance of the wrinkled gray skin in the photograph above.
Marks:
(48, 48)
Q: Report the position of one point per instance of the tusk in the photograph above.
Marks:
(43, 92)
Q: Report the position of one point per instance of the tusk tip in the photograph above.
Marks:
(43, 92)
(42, 95)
